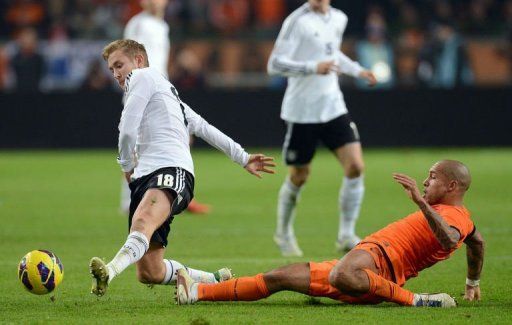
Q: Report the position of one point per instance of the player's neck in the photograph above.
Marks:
(157, 14)
(320, 10)
(455, 201)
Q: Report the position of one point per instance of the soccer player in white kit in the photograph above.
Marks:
(307, 51)
(154, 155)
(151, 30)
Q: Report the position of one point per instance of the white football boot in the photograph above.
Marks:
(345, 244)
(442, 300)
(185, 288)
(288, 246)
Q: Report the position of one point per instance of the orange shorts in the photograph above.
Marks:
(319, 277)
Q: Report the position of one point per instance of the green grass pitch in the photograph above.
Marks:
(67, 202)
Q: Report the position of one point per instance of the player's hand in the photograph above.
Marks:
(260, 163)
(410, 187)
(325, 67)
(128, 176)
(369, 77)
(472, 293)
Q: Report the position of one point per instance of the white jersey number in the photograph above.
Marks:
(165, 180)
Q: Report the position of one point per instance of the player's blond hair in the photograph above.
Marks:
(130, 47)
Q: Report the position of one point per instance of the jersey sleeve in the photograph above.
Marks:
(201, 128)
(348, 66)
(458, 220)
(280, 61)
(139, 88)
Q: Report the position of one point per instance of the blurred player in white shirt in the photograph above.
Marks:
(307, 51)
(150, 29)
(154, 155)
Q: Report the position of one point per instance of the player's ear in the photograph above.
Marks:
(453, 185)
(139, 59)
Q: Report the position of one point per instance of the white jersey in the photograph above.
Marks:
(153, 33)
(306, 38)
(155, 127)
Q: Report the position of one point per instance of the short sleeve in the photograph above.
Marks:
(457, 218)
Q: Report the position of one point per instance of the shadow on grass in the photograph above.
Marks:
(308, 302)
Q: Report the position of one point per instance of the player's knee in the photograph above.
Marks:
(297, 181)
(354, 169)
(139, 224)
(299, 177)
(338, 277)
(346, 280)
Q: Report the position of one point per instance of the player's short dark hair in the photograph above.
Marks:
(129, 47)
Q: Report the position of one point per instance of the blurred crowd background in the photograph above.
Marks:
(55, 45)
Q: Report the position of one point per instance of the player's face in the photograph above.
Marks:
(435, 185)
(120, 65)
(319, 5)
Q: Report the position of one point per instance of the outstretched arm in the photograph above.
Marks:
(254, 164)
(354, 69)
(475, 255)
(447, 236)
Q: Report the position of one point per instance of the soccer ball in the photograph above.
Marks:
(40, 272)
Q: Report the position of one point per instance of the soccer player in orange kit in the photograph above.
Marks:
(377, 268)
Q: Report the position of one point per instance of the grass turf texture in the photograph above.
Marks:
(67, 202)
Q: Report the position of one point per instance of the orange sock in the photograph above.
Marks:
(388, 290)
(241, 289)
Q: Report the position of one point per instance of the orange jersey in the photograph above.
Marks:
(411, 244)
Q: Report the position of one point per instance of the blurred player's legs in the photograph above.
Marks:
(351, 194)
(287, 200)
(341, 137)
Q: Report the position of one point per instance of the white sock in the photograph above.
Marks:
(287, 200)
(350, 198)
(171, 267)
(201, 276)
(134, 248)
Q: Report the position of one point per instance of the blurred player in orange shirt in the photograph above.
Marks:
(377, 268)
